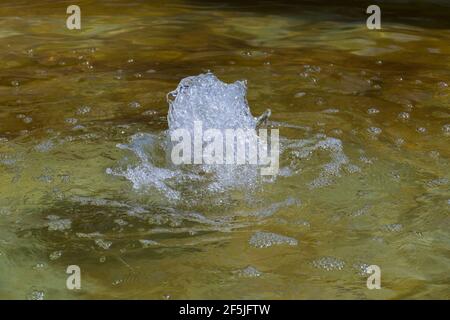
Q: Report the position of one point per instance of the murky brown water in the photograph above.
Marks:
(67, 98)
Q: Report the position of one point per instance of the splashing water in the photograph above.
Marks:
(216, 105)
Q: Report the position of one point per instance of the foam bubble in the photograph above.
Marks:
(205, 98)
(268, 239)
(329, 263)
(59, 224)
(249, 272)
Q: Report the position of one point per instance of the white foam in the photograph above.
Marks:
(218, 106)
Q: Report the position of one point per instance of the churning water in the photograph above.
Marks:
(363, 119)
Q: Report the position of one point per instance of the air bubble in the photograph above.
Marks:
(249, 272)
(329, 263)
(403, 116)
(446, 128)
(374, 130)
(104, 244)
(55, 255)
(59, 225)
(421, 130)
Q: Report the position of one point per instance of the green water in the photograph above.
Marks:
(68, 97)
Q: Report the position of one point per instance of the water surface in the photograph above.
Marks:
(365, 121)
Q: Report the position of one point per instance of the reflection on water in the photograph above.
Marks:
(364, 120)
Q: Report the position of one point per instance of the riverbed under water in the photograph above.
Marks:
(364, 176)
